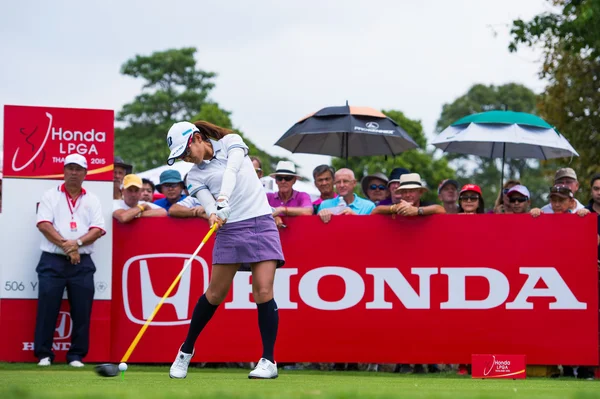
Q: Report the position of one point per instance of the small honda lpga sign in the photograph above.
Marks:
(498, 366)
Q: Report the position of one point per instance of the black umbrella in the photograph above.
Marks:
(347, 131)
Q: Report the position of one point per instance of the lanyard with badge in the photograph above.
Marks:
(72, 208)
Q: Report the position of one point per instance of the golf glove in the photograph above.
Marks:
(223, 210)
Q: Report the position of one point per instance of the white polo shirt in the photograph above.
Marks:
(120, 204)
(248, 199)
(71, 219)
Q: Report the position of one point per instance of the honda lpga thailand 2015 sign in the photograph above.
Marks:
(374, 290)
(37, 140)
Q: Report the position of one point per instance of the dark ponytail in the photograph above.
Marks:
(208, 130)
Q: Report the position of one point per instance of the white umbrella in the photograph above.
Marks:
(504, 134)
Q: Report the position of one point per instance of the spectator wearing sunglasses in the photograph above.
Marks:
(171, 186)
(519, 199)
(502, 204)
(267, 182)
(566, 177)
(470, 200)
(375, 187)
(562, 200)
(287, 201)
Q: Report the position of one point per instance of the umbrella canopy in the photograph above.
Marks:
(504, 134)
(347, 131)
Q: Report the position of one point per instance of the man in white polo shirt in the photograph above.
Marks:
(70, 218)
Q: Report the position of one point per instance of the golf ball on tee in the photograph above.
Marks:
(122, 366)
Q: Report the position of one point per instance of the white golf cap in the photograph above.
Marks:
(177, 139)
(519, 189)
(76, 159)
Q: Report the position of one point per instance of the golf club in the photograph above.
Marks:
(112, 370)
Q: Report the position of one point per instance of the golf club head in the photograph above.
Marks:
(107, 370)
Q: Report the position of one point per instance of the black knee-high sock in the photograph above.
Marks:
(203, 312)
(268, 321)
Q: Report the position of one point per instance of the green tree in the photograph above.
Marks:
(485, 171)
(174, 89)
(570, 41)
(420, 161)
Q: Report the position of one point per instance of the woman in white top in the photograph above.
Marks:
(225, 182)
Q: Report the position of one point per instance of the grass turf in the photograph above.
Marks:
(148, 382)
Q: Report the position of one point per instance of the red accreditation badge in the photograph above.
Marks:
(73, 225)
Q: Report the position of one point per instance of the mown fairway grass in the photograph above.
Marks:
(60, 381)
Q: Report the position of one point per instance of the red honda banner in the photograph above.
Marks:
(498, 366)
(18, 326)
(376, 290)
(37, 140)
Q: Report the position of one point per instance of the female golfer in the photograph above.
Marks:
(247, 235)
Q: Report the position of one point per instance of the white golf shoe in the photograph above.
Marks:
(45, 362)
(264, 370)
(76, 363)
(180, 365)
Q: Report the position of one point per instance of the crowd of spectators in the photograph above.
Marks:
(396, 194)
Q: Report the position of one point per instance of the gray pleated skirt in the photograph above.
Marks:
(248, 241)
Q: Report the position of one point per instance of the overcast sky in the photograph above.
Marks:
(276, 60)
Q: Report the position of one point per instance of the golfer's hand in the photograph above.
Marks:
(215, 219)
(75, 257)
(325, 215)
(535, 212)
(223, 210)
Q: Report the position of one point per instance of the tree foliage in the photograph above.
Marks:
(432, 170)
(486, 172)
(570, 41)
(174, 89)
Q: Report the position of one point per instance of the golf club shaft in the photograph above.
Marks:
(165, 296)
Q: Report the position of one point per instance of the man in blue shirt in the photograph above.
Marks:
(347, 203)
(171, 185)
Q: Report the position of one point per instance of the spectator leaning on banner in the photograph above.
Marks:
(171, 185)
(448, 195)
(561, 201)
(519, 199)
(347, 203)
(70, 218)
(130, 207)
(470, 200)
(387, 206)
(287, 201)
(594, 204)
(120, 170)
(411, 190)
(566, 177)
(147, 190)
(375, 187)
(324, 175)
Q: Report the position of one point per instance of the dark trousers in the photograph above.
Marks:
(55, 273)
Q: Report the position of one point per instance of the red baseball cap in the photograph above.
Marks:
(471, 187)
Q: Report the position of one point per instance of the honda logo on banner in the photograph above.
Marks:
(64, 326)
(62, 332)
(141, 293)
